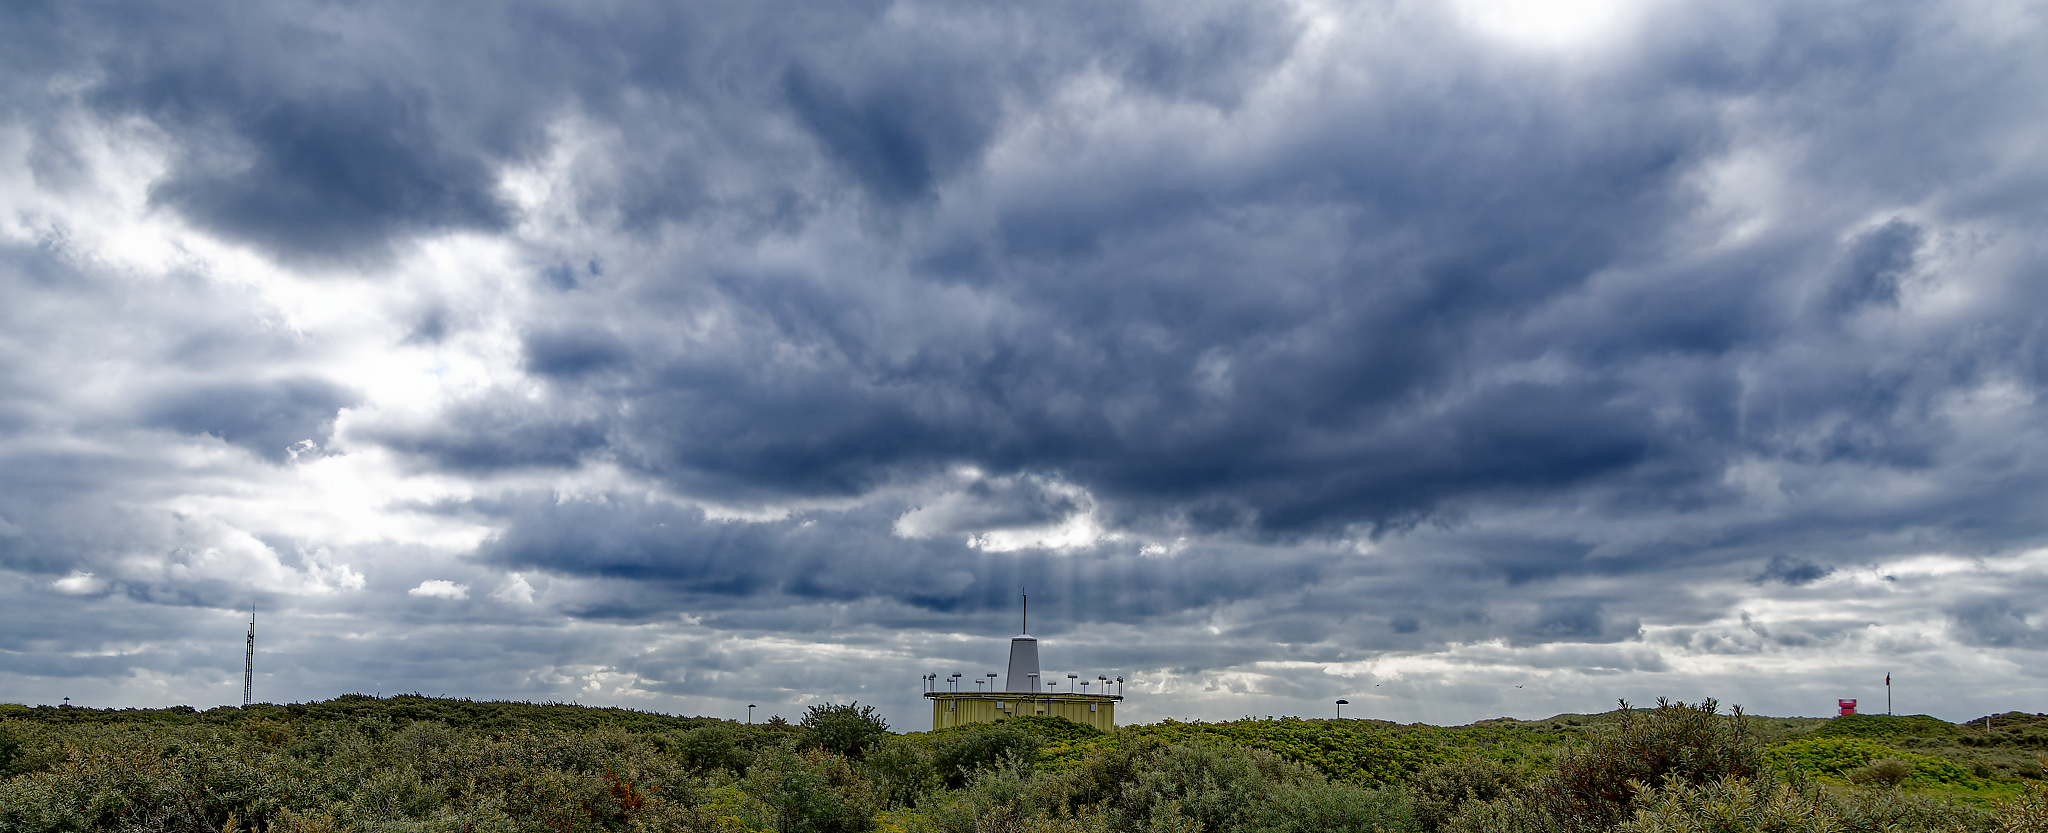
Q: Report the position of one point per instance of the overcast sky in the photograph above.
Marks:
(1461, 359)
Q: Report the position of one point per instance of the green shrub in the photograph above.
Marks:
(1008, 797)
(1055, 729)
(1845, 757)
(1886, 727)
(959, 752)
(1731, 805)
(1222, 787)
(1765, 805)
(10, 751)
(712, 748)
(1593, 786)
(1322, 806)
(902, 770)
(1883, 772)
(1066, 743)
(1349, 750)
(1832, 756)
(844, 730)
(1507, 814)
(1437, 792)
(1888, 810)
(2026, 814)
(815, 791)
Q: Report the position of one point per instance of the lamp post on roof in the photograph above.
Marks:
(1340, 708)
(750, 714)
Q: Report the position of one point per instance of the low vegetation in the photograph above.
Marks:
(413, 763)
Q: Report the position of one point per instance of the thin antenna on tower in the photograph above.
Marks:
(249, 659)
(1027, 610)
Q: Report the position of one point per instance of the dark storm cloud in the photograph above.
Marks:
(572, 354)
(678, 560)
(267, 419)
(1792, 571)
(334, 178)
(500, 434)
(1415, 305)
(1996, 621)
(1348, 334)
(897, 143)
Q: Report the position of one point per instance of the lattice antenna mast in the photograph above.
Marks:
(249, 660)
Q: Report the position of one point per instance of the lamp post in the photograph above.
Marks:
(750, 714)
(1070, 682)
(1340, 708)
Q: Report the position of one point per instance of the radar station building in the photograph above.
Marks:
(1024, 692)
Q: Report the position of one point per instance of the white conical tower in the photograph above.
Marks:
(1023, 657)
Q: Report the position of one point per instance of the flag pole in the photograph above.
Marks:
(1887, 692)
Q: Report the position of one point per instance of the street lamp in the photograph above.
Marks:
(1340, 708)
(1070, 682)
(750, 714)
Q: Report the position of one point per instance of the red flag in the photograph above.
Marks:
(1887, 678)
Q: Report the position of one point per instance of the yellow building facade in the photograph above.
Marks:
(959, 708)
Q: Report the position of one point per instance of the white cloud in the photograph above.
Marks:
(1008, 514)
(79, 583)
(440, 589)
(516, 590)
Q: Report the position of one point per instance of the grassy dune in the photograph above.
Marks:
(409, 763)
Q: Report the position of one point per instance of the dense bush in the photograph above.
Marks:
(10, 751)
(1223, 788)
(1593, 786)
(2027, 814)
(1887, 727)
(1851, 758)
(1349, 750)
(1740, 805)
(711, 749)
(814, 791)
(361, 766)
(959, 752)
(844, 730)
(903, 770)
(1438, 792)
(1883, 772)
